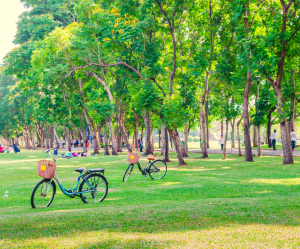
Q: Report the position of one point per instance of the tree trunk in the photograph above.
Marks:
(159, 138)
(173, 135)
(222, 127)
(149, 141)
(162, 137)
(269, 129)
(48, 137)
(16, 139)
(87, 118)
(292, 121)
(186, 136)
(254, 137)
(123, 129)
(165, 143)
(112, 137)
(248, 148)
(26, 138)
(58, 141)
(40, 133)
(93, 134)
(51, 137)
(203, 133)
(68, 139)
(119, 142)
(81, 131)
(232, 130)
(238, 135)
(225, 141)
(32, 137)
(101, 142)
(136, 130)
(285, 135)
(207, 123)
(106, 150)
(258, 142)
(142, 132)
(182, 148)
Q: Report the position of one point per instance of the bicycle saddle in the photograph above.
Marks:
(80, 169)
(151, 158)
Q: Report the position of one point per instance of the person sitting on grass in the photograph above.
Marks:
(69, 154)
(10, 149)
(16, 149)
(1, 149)
(55, 151)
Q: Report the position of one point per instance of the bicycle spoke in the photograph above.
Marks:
(97, 192)
(158, 169)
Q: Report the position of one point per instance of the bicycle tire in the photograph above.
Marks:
(127, 172)
(94, 183)
(34, 197)
(158, 169)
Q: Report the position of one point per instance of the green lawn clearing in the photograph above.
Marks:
(208, 203)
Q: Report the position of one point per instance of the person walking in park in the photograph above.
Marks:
(221, 142)
(273, 139)
(293, 139)
(139, 143)
(64, 143)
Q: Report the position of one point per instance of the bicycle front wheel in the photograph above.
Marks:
(127, 172)
(158, 169)
(99, 190)
(43, 194)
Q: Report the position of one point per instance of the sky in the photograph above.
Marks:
(9, 12)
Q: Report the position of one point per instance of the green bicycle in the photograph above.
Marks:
(156, 169)
(92, 189)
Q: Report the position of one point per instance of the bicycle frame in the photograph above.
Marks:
(72, 191)
(145, 169)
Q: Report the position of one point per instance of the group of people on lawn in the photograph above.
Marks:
(9, 149)
(273, 140)
(75, 143)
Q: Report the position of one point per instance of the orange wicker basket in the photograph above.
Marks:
(133, 157)
(46, 169)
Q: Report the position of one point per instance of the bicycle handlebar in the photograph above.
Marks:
(129, 147)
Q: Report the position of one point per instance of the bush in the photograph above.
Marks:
(196, 139)
(190, 139)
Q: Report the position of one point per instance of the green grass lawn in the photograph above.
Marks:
(208, 203)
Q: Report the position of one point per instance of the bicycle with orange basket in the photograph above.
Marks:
(93, 187)
(156, 169)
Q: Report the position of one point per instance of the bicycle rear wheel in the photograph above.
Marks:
(127, 172)
(43, 194)
(158, 169)
(100, 184)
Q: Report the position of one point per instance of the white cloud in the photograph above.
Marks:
(9, 13)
